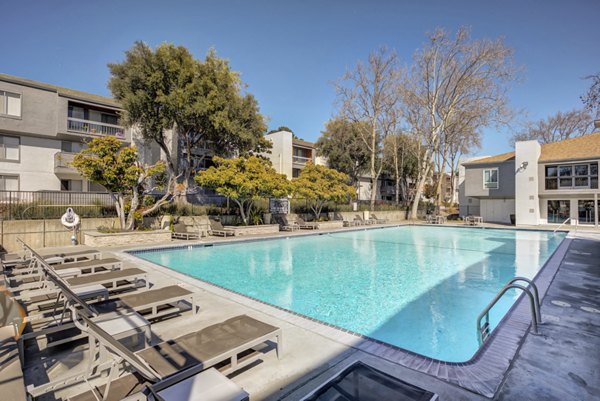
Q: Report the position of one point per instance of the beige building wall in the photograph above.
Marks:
(281, 152)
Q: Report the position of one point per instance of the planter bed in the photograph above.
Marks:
(95, 238)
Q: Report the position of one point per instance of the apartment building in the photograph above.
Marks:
(289, 155)
(42, 126)
(537, 184)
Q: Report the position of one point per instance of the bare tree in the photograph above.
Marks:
(453, 79)
(369, 95)
(399, 159)
(557, 127)
(592, 98)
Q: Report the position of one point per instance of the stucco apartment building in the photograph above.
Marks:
(537, 184)
(289, 155)
(42, 126)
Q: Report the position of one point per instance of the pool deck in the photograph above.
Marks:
(561, 363)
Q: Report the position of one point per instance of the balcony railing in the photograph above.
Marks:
(94, 128)
(301, 159)
(62, 161)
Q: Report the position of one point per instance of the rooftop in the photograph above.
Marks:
(580, 148)
(66, 92)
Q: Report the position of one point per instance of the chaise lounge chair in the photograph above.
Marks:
(161, 371)
(362, 222)
(306, 225)
(376, 220)
(228, 346)
(285, 225)
(12, 260)
(180, 231)
(216, 228)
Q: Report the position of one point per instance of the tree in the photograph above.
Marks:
(319, 185)
(280, 128)
(369, 95)
(591, 99)
(167, 89)
(400, 161)
(557, 127)
(453, 80)
(244, 180)
(341, 143)
(116, 167)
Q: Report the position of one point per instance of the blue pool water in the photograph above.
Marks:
(416, 287)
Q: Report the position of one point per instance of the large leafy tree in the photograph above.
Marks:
(341, 143)
(116, 167)
(244, 180)
(557, 127)
(202, 101)
(319, 185)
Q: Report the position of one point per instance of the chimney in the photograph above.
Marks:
(597, 125)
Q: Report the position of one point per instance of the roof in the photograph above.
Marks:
(493, 159)
(580, 148)
(300, 142)
(70, 93)
(583, 147)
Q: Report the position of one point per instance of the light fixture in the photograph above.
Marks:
(524, 165)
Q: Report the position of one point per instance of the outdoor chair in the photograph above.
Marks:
(229, 346)
(361, 221)
(11, 260)
(12, 383)
(376, 220)
(216, 228)
(180, 231)
(137, 307)
(306, 225)
(85, 267)
(286, 225)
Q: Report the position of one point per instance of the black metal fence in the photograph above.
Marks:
(25, 205)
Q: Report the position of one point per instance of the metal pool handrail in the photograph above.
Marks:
(531, 290)
(561, 224)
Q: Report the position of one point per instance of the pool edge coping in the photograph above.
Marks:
(481, 374)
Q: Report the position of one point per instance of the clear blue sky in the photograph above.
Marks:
(289, 52)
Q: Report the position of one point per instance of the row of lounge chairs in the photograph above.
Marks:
(359, 221)
(92, 302)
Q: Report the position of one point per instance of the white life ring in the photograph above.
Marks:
(70, 219)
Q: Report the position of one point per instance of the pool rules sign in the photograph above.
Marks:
(279, 205)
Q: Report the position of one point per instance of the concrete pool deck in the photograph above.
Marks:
(310, 356)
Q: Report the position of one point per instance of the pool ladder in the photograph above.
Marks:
(483, 331)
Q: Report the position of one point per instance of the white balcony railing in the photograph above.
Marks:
(63, 160)
(94, 128)
(301, 159)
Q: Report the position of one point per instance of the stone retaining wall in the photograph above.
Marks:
(96, 239)
(255, 230)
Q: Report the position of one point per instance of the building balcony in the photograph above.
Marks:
(301, 160)
(94, 128)
(62, 164)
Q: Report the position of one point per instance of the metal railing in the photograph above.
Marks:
(96, 128)
(25, 205)
(561, 224)
(301, 159)
(63, 160)
(483, 331)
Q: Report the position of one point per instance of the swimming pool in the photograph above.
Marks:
(415, 287)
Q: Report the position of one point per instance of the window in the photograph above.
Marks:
(9, 148)
(10, 104)
(490, 178)
(71, 147)
(9, 182)
(71, 185)
(558, 211)
(572, 176)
